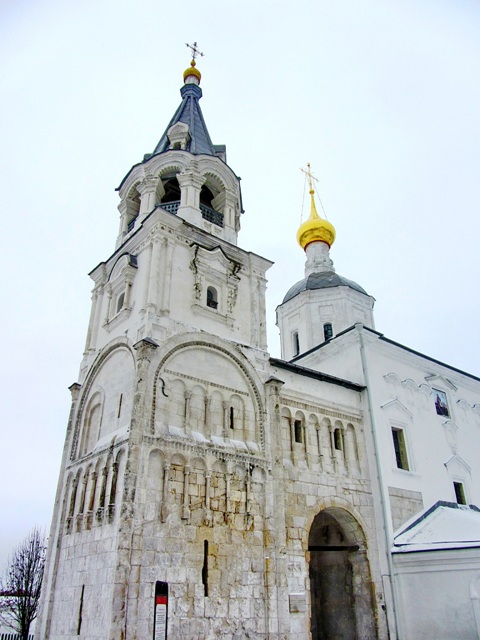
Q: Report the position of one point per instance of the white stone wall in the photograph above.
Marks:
(440, 449)
(439, 594)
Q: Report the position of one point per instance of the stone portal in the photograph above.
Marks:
(340, 584)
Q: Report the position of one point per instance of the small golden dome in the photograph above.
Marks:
(315, 229)
(192, 71)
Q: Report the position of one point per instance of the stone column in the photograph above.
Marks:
(346, 449)
(186, 478)
(122, 207)
(226, 407)
(153, 297)
(166, 493)
(186, 424)
(291, 422)
(146, 276)
(148, 195)
(190, 184)
(81, 506)
(103, 491)
(167, 278)
(91, 500)
(319, 443)
(228, 506)
(208, 476)
(113, 491)
(73, 499)
(207, 427)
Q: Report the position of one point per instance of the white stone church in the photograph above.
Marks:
(320, 496)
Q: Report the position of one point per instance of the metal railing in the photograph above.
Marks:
(208, 214)
(171, 207)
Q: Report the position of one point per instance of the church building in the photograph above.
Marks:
(208, 490)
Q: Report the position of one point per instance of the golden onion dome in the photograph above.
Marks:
(192, 71)
(315, 229)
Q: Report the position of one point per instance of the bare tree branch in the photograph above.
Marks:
(21, 584)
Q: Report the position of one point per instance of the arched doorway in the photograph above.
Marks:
(340, 583)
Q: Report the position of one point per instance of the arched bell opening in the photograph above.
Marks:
(340, 583)
(168, 192)
(133, 207)
(212, 200)
(206, 196)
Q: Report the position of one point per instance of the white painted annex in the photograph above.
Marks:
(264, 492)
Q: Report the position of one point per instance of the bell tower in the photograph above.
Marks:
(167, 419)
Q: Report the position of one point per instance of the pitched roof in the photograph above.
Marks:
(190, 113)
(445, 525)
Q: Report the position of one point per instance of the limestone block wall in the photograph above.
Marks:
(203, 532)
(404, 505)
(86, 558)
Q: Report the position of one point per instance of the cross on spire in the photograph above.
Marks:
(310, 177)
(194, 49)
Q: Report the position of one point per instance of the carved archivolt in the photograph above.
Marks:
(99, 415)
(204, 389)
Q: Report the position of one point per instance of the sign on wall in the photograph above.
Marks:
(160, 615)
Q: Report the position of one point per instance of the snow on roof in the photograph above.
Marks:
(446, 525)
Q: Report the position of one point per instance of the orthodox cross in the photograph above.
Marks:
(195, 51)
(310, 177)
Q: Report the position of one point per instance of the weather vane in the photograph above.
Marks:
(310, 176)
(195, 51)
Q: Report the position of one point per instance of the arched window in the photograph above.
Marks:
(212, 300)
(206, 196)
(337, 436)
(298, 431)
(120, 301)
(327, 330)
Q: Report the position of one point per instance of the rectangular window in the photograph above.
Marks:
(296, 344)
(459, 493)
(400, 448)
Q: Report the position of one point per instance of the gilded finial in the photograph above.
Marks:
(193, 75)
(315, 229)
(195, 51)
(311, 178)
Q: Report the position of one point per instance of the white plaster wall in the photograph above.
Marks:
(404, 400)
(307, 312)
(435, 590)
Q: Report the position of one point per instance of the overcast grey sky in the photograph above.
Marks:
(382, 97)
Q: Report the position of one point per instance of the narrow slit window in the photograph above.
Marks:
(120, 405)
(400, 449)
(205, 568)
(232, 418)
(80, 611)
(296, 344)
(298, 431)
(337, 437)
(327, 331)
(459, 493)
